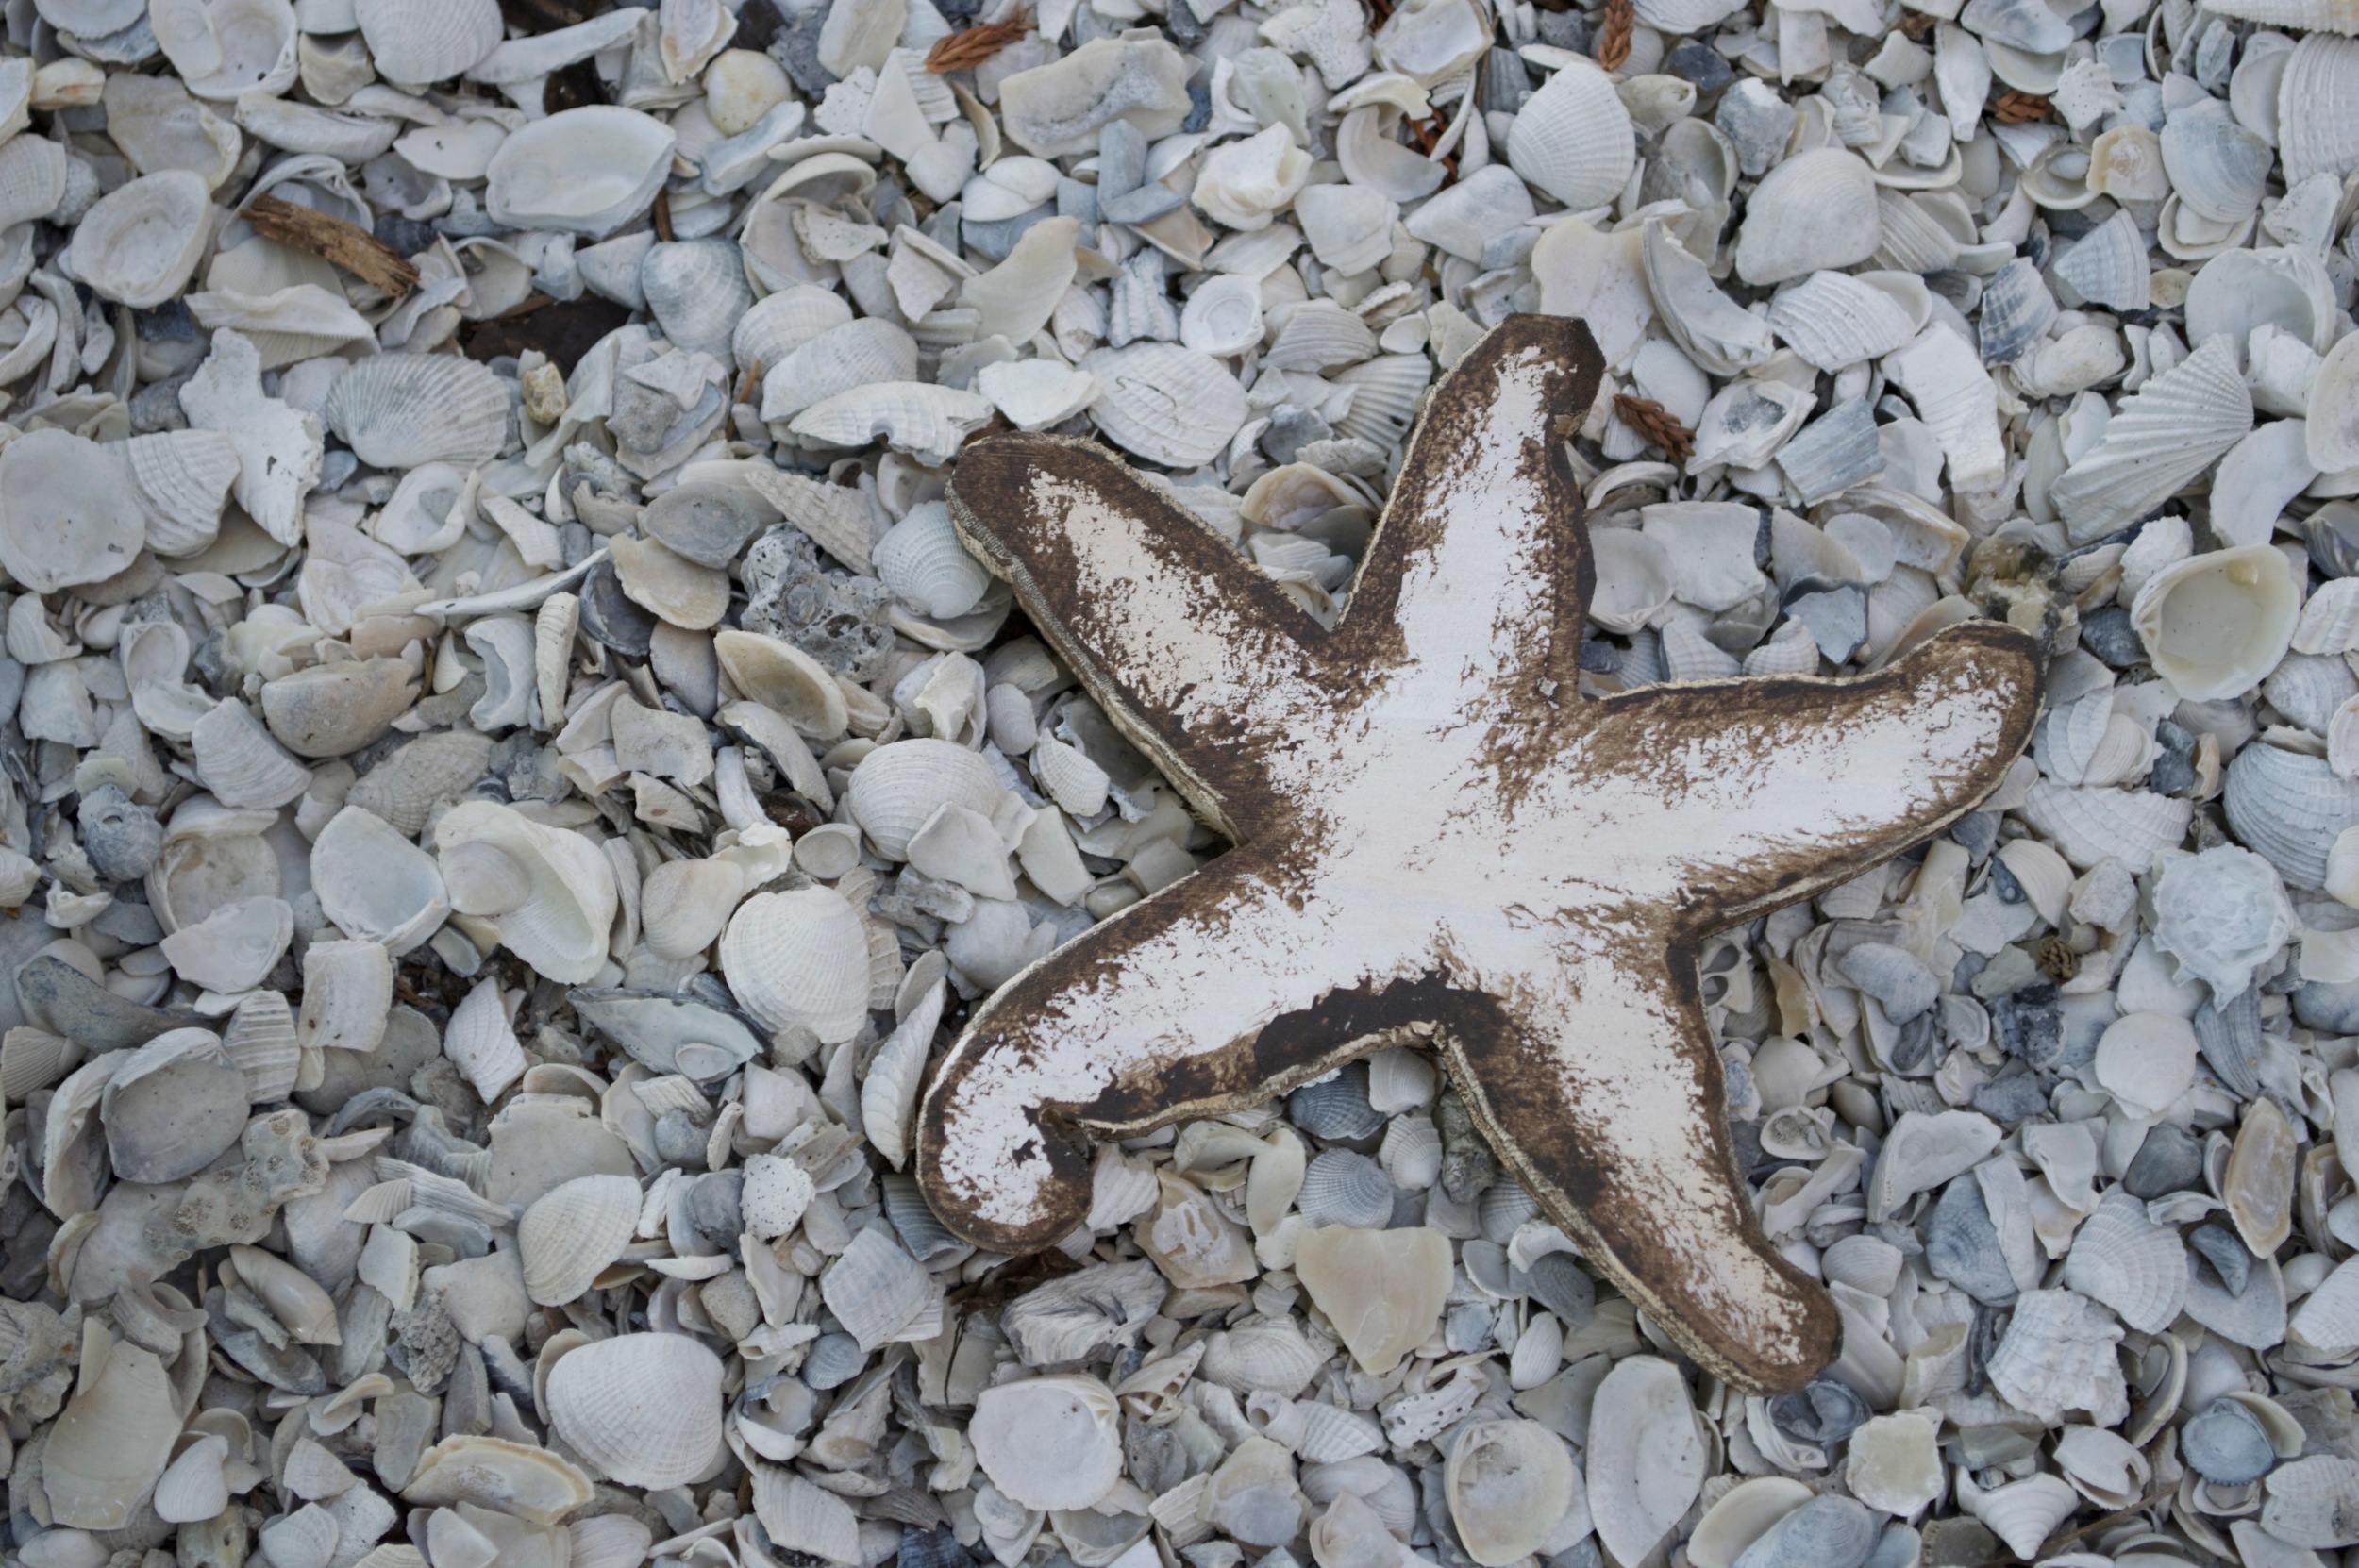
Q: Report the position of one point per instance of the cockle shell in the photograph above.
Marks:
(1573, 137)
(1167, 404)
(929, 422)
(644, 1409)
(799, 958)
(696, 290)
(2290, 807)
(183, 479)
(922, 560)
(426, 41)
(570, 1234)
(897, 787)
(2129, 1264)
(778, 325)
(398, 411)
(836, 359)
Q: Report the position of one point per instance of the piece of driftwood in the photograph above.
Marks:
(1441, 840)
(348, 246)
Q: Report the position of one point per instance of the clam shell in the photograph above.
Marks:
(238, 760)
(172, 1108)
(2217, 168)
(2129, 1263)
(878, 1291)
(68, 515)
(696, 290)
(399, 410)
(1350, 228)
(428, 41)
(570, 1234)
(2239, 290)
(784, 680)
(803, 1518)
(331, 709)
(1645, 1456)
(799, 958)
(923, 561)
(2164, 435)
(139, 242)
(550, 892)
(897, 787)
(1508, 1483)
(111, 1442)
(1573, 139)
(644, 1409)
(778, 325)
(1816, 210)
(2215, 625)
(1164, 403)
(584, 170)
(1742, 1515)
(1050, 1442)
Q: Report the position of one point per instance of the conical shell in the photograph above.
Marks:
(2023, 1513)
(799, 958)
(644, 1409)
(399, 410)
(571, 1233)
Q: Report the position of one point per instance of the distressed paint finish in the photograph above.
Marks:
(1441, 842)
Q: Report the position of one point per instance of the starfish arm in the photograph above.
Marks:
(1593, 1075)
(1202, 999)
(1731, 798)
(1477, 578)
(1197, 656)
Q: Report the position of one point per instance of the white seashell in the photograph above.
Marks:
(1816, 210)
(799, 958)
(1350, 228)
(1244, 184)
(193, 1489)
(2332, 430)
(1049, 1443)
(888, 1095)
(2315, 134)
(2258, 476)
(778, 325)
(549, 892)
(139, 242)
(805, 1518)
(1271, 1355)
(572, 1232)
(1411, 1152)
(784, 680)
(2124, 1260)
(2290, 807)
(405, 786)
(838, 360)
(183, 479)
(1035, 395)
(696, 290)
(644, 1409)
(307, 1311)
(2057, 1356)
(399, 410)
(1836, 319)
(1573, 137)
(1742, 1515)
(2239, 290)
(584, 170)
(1634, 577)
(2330, 619)
(897, 787)
(2163, 436)
(929, 422)
(261, 1039)
(227, 48)
(1058, 108)
(68, 514)
(1464, 219)
(1508, 1483)
(481, 1044)
(922, 560)
(347, 989)
(2215, 625)
(1707, 324)
(111, 1443)
(2217, 168)
(233, 948)
(428, 41)
(2107, 266)
(170, 1108)
(2022, 1514)
(1956, 398)
(1370, 156)
(237, 758)
(1386, 391)
(1645, 1456)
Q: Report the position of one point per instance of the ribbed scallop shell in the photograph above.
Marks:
(1067, 776)
(1911, 235)
(897, 787)
(2137, 1268)
(241, 764)
(923, 562)
(2308, 688)
(1411, 1152)
(835, 360)
(1817, 209)
(1320, 335)
(2089, 825)
(697, 290)
(1269, 1354)
(1573, 137)
(1164, 403)
(428, 41)
(2289, 806)
(2107, 266)
(1385, 394)
(888, 1095)
(644, 1409)
(183, 479)
(261, 1039)
(2318, 97)
(927, 421)
(1332, 1434)
(1336, 1107)
(1791, 651)
(821, 1524)
(1344, 1188)
(799, 957)
(2165, 434)
(399, 410)
(1834, 318)
(572, 1232)
(778, 325)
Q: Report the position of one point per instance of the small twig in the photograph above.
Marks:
(2018, 109)
(347, 245)
(967, 50)
(1654, 421)
(1614, 36)
(663, 216)
(747, 384)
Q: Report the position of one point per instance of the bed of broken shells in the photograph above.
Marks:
(511, 774)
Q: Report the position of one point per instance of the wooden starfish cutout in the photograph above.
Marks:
(1440, 841)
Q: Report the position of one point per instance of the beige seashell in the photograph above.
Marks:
(1892, 1463)
(347, 988)
(550, 892)
(1744, 1513)
(2258, 1185)
(399, 410)
(644, 1409)
(68, 514)
(307, 1311)
(139, 242)
(1508, 1483)
(1049, 1443)
(799, 958)
(570, 1234)
(2215, 625)
(234, 948)
(584, 170)
(113, 1440)
(1573, 137)
(669, 586)
(1383, 1289)
(1164, 403)
(784, 680)
(332, 710)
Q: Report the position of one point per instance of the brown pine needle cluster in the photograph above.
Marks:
(1654, 421)
(963, 51)
(1613, 34)
(2018, 109)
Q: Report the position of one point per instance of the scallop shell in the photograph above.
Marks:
(237, 758)
(2017, 308)
(1836, 319)
(2123, 1259)
(2107, 266)
(804, 1518)
(927, 420)
(261, 1039)
(799, 958)
(1816, 210)
(922, 560)
(183, 479)
(549, 892)
(897, 787)
(584, 170)
(428, 41)
(2331, 437)
(1344, 1188)
(644, 1409)
(2164, 435)
(572, 1232)
(2311, 1500)
(139, 242)
(1645, 1456)
(2316, 133)
(1320, 335)
(1385, 392)
(399, 410)
(696, 290)
(2215, 625)
(1164, 403)
(1573, 139)
(1335, 1107)
(778, 325)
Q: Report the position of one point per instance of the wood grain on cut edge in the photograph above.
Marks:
(1443, 843)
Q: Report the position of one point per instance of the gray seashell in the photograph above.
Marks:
(1824, 1412)
(121, 837)
(400, 410)
(1564, 1287)
(1961, 1244)
(2129, 1263)
(1335, 1107)
(1825, 1532)
(2016, 309)
(778, 325)
(697, 290)
(2107, 266)
(2165, 434)
(2026, 26)
(672, 1032)
(1503, 1207)
(172, 1108)
(2227, 1446)
(925, 1237)
(1343, 1188)
(834, 1359)
(1831, 455)
(582, 170)
(2308, 688)
(707, 524)
(1835, 319)
(2290, 807)
(2217, 168)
